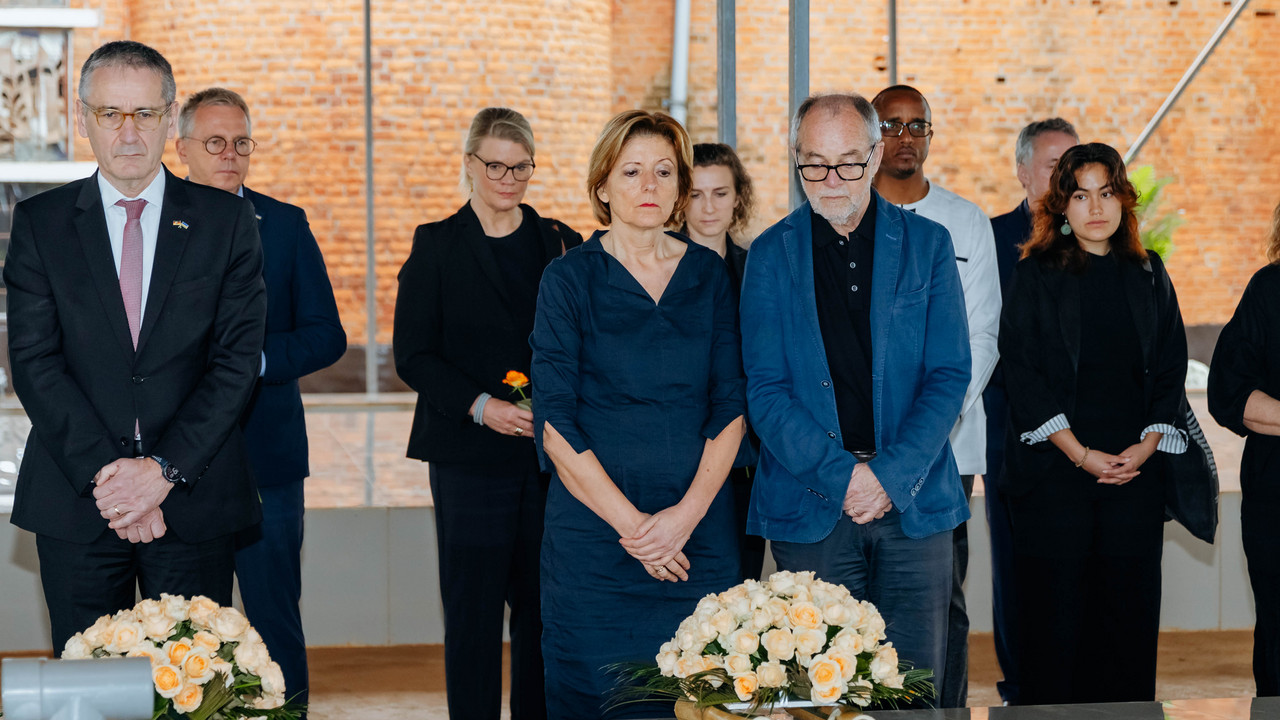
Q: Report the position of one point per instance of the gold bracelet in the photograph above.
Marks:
(1083, 457)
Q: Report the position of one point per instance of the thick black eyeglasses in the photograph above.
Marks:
(109, 118)
(844, 171)
(216, 144)
(497, 170)
(917, 128)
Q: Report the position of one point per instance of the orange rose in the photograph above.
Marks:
(515, 379)
(167, 679)
(177, 650)
(188, 698)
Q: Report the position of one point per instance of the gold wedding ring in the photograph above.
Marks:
(116, 509)
(519, 431)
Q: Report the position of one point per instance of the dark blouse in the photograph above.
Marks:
(1247, 358)
(1109, 404)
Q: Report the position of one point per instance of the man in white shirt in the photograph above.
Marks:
(906, 125)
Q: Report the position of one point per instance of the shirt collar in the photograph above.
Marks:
(153, 193)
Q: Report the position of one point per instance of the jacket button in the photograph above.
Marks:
(137, 379)
(831, 435)
(124, 441)
(826, 383)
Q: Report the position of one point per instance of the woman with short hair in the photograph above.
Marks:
(639, 410)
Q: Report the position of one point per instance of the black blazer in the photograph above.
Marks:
(82, 384)
(1040, 352)
(304, 334)
(456, 337)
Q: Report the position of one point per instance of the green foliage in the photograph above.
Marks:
(1155, 228)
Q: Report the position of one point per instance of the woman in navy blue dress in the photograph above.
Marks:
(638, 411)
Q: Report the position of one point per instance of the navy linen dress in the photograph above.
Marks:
(643, 386)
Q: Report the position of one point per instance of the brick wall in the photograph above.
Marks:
(987, 66)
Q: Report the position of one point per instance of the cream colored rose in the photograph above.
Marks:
(198, 667)
(268, 702)
(737, 663)
(827, 694)
(745, 685)
(824, 671)
(723, 622)
(273, 679)
(779, 643)
(742, 641)
(758, 597)
(761, 620)
(175, 606)
(856, 612)
(809, 642)
(123, 636)
(153, 654)
(836, 613)
(229, 624)
(805, 615)
(782, 582)
(207, 641)
(801, 593)
(176, 650)
(777, 608)
(848, 663)
(252, 656)
(713, 662)
(850, 641)
(167, 679)
(688, 664)
(771, 674)
(689, 640)
(188, 698)
(77, 648)
(667, 662)
(873, 627)
(97, 634)
(223, 668)
(202, 611)
(885, 663)
(156, 623)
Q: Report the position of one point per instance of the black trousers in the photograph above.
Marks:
(84, 582)
(1261, 536)
(489, 532)
(954, 693)
(1088, 584)
(750, 547)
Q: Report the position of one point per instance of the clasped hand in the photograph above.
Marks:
(865, 500)
(128, 493)
(658, 543)
(1117, 469)
(507, 418)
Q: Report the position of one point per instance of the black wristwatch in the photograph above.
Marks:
(170, 472)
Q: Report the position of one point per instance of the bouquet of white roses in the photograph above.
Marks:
(768, 643)
(207, 662)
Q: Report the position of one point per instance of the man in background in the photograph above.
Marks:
(303, 335)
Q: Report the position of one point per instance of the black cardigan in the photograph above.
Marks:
(456, 337)
(1040, 351)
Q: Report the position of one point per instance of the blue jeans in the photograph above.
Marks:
(908, 580)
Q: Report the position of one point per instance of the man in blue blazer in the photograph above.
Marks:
(857, 360)
(304, 334)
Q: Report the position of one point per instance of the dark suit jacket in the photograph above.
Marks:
(1040, 352)
(304, 334)
(82, 384)
(456, 337)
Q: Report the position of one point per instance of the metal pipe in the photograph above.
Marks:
(1187, 77)
(893, 42)
(370, 257)
(727, 72)
(678, 104)
(797, 74)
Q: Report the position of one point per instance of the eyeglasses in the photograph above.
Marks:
(917, 128)
(144, 120)
(845, 171)
(497, 170)
(215, 145)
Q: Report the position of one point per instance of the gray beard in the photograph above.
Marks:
(838, 220)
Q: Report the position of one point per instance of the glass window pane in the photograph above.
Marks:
(33, 95)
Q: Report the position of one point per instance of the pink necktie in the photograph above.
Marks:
(131, 265)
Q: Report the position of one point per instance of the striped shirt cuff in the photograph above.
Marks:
(478, 416)
(1042, 433)
(1173, 442)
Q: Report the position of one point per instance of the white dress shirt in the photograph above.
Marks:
(116, 218)
(975, 245)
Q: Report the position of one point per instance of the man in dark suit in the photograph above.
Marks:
(136, 318)
(304, 334)
(1040, 144)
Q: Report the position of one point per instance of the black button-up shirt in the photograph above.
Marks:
(842, 289)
